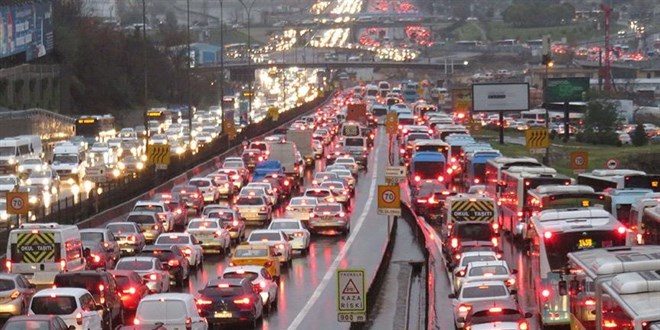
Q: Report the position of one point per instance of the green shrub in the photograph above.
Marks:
(639, 137)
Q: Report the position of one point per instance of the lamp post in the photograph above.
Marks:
(146, 94)
(222, 67)
(188, 96)
(248, 10)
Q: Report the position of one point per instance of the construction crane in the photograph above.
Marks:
(606, 71)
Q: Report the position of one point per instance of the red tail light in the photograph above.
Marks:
(268, 263)
(218, 233)
(286, 183)
(495, 310)
(463, 308)
(195, 195)
(235, 177)
(450, 171)
(622, 230)
(243, 301)
(342, 214)
(79, 319)
(155, 227)
(187, 251)
(130, 290)
(403, 151)
(131, 238)
(545, 293)
(417, 178)
(179, 211)
(298, 234)
(454, 242)
(279, 246)
(162, 216)
(8, 265)
(101, 287)
(421, 200)
(235, 223)
(523, 325)
(590, 302)
(204, 301)
(496, 226)
(62, 265)
(494, 241)
(174, 263)
(95, 258)
(510, 282)
(441, 178)
(519, 214)
(151, 277)
(547, 235)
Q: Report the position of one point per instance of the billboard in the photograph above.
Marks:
(26, 28)
(501, 97)
(565, 89)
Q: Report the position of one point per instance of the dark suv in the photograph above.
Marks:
(230, 301)
(470, 236)
(103, 288)
(172, 256)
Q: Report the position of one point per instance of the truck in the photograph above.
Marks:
(69, 162)
(303, 141)
(357, 113)
(286, 153)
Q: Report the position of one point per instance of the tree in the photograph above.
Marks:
(639, 137)
(601, 116)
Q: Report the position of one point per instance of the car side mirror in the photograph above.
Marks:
(528, 315)
(563, 288)
(451, 296)
(514, 271)
(291, 238)
(99, 307)
(200, 242)
(32, 286)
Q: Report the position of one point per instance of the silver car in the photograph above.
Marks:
(330, 217)
(212, 233)
(342, 195)
(148, 223)
(150, 269)
(300, 208)
(128, 235)
(253, 208)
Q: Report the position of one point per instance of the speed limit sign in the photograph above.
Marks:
(17, 203)
(389, 202)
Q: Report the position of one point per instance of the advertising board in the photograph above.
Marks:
(26, 28)
(500, 97)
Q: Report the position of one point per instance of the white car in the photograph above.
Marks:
(188, 244)
(172, 310)
(211, 234)
(275, 238)
(322, 195)
(207, 187)
(319, 177)
(150, 269)
(8, 183)
(477, 291)
(261, 280)
(75, 306)
(479, 271)
(466, 258)
(347, 177)
(296, 230)
(223, 182)
(300, 207)
(272, 194)
(317, 148)
(28, 165)
(348, 162)
(341, 193)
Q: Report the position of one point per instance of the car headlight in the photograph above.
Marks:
(74, 170)
(116, 173)
(12, 161)
(143, 158)
(21, 168)
(33, 199)
(28, 182)
(121, 165)
(139, 165)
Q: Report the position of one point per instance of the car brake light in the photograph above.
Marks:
(496, 226)
(286, 183)
(218, 233)
(461, 273)
(173, 263)
(421, 200)
(242, 301)
(204, 301)
(155, 227)
(131, 238)
(15, 294)
(268, 263)
(476, 181)
(8, 265)
(622, 230)
(342, 214)
(298, 234)
(130, 290)
(454, 242)
(402, 150)
(610, 324)
(187, 251)
(96, 258)
(179, 211)
(279, 246)
(450, 171)
(79, 318)
(545, 293)
(495, 309)
(417, 178)
(520, 214)
(547, 235)
(195, 195)
(464, 308)
(235, 223)
(494, 241)
(510, 282)
(262, 284)
(522, 325)
(153, 277)
(590, 302)
(441, 178)
(62, 265)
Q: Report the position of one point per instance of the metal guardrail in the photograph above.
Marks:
(28, 113)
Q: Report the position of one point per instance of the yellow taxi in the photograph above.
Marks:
(259, 255)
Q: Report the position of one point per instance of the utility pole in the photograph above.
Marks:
(248, 10)
(146, 85)
(190, 115)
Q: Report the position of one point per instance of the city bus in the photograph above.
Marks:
(629, 301)
(649, 227)
(535, 116)
(96, 128)
(516, 181)
(554, 234)
(592, 267)
(623, 178)
(621, 201)
(160, 115)
(475, 166)
(494, 168)
(637, 212)
(547, 197)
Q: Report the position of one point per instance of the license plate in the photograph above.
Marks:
(223, 315)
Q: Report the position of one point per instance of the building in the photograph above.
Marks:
(103, 9)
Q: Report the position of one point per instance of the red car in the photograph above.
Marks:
(131, 288)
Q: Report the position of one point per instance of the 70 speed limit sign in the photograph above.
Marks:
(389, 200)
(17, 203)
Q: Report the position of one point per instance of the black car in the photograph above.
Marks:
(42, 322)
(470, 236)
(429, 199)
(101, 284)
(230, 301)
(173, 256)
(97, 256)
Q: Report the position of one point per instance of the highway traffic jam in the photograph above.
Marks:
(524, 246)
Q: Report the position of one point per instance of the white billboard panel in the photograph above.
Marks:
(500, 97)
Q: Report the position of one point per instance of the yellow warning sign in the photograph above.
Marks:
(158, 154)
(36, 247)
(392, 123)
(537, 137)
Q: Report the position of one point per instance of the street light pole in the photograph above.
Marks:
(222, 63)
(190, 115)
(144, 44)
(248, 10)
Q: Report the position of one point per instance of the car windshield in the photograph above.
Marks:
(354, 142)
(202, 224)
(7, 151)
(91, 237)
(474, 231)
(173, 239)
(469, 259)
(318, 193)
(233, 164)
(495, 315)
(332, 208)
(332, 185)
(6, 284)
(302, 202)
(27, 325)
(488, 271)
(223, 215)
(284, 225)
(40, 174)
(256, 237)
(31, 161)
(483, 291)
(87, 282)
(58, 305)
(141, 219)
(65, 159)
(249, 201)
(121, 228)
(348, 161)
(7, 180)
(215, 291)
(134, 264)
(248, 253)
(148, 208)
(241, 274)
(200, 183)
(184, 189)
(122, 281)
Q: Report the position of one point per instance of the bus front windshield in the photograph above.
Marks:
(559, 244)
(428, 170)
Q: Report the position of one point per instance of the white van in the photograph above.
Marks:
(69, 161)
(35, 144)
(286, 153)
(350, 129)
(12, 151)
(42, 250)
(173, 310)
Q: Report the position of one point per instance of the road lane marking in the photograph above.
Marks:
(335, 264)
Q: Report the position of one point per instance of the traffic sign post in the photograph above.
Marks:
(351, 295)
(17, 203)
(395, 174)
(579, 161)
(389, 200)
(612, 163)
(274, 113)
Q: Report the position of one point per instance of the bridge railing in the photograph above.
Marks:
(32, 112)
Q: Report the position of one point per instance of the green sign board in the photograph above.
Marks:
(565, 89)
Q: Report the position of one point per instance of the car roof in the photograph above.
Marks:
(94, 230)
(76, 292)
(285, 220)
(253, 246)
(121, 223)
(124, 272)
(487, 304)
(139, 258)
(482, 283)
(248, 268)
(36, 317)
(168, 296)
(488, 263)
(259, 231)
(230, 281)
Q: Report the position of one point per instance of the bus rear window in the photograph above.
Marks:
(428, 170)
